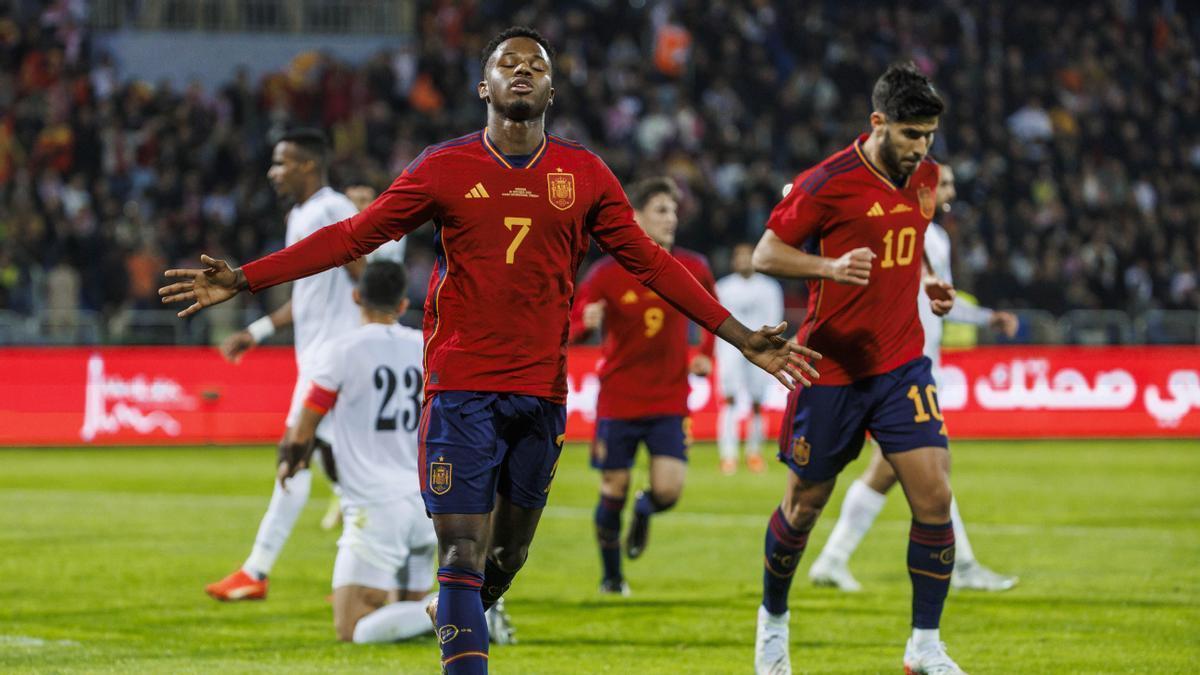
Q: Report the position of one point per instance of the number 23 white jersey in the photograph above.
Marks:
(375, 370)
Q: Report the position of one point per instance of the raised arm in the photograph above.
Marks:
(404, 207)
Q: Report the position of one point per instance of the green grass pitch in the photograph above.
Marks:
(105, 554)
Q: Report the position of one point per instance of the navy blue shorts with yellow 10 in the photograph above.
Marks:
(473, 445)
(824, 427)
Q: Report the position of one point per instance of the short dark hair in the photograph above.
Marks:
(382, 285)
(515, 32)
(904, 94)
(311, 142)
(641, 192)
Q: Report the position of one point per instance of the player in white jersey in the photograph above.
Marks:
(755, 300)
(319, 310)
(865, 497)
(366, 385)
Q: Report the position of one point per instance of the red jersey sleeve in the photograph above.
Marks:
(800, 215)
(402, 208)
(611, 224)
(590, 290)
(705, 276)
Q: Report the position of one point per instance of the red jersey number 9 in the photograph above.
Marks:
(654, 321)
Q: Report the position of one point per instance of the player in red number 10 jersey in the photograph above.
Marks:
(854, 226)
(513, 209)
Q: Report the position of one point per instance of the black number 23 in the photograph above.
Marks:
(407, 410)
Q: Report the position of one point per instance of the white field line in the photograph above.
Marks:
(27, 641)
(753, 521)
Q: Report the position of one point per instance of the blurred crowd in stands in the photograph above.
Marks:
(1074, 129)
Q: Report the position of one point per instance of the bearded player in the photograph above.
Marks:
(513, 210)
(865, 497)
(854, 226)
(643, 381)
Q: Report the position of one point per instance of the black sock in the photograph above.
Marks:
(784, 546)
(495, 583)
(608, 534)
(930, 562)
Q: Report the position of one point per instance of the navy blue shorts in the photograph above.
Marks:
(824, 427)
(616, 442)
(475, 444)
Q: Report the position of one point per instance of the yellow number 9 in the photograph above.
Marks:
(654, 321)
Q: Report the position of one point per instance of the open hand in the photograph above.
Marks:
(941, 295)
(853, 267)
(203, 288)
(785, 359)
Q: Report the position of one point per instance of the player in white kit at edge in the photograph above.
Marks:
(865, 497)
(367, 385)
(755, 300)
(321, 309)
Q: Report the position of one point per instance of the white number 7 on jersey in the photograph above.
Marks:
(522, 223)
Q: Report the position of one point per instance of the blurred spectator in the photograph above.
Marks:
(1074, 129)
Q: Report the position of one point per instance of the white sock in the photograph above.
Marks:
(859, 510)
(277, 523)
(925, 636)
(754, 437)
(963, 553)
(727, 423)
(393, 622)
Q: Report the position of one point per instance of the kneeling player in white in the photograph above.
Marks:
(373, 375)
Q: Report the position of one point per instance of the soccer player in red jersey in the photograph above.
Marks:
(513, 209)
(643, 380)
(854, 226)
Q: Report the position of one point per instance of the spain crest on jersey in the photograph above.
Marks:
(925, 197)
(561, 187)
(440, 477)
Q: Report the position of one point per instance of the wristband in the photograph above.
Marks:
(261, 329)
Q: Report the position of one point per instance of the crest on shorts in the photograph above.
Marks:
(441, 475)
(925, 198)
(801, 451)
(561, 187)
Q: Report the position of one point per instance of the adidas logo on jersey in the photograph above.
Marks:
(900, 208)
(629, 298)
(477, 192)
(875, 210)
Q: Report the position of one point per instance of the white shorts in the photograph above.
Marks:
(387, 546)
(740, 379)
(299, 395)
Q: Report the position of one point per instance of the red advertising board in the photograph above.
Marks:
(165, 395)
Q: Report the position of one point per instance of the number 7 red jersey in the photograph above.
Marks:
(509, 238)
(841, 204)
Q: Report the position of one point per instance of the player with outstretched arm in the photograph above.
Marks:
(513, 210)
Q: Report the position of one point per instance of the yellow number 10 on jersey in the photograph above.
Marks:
(905, 247)
(522, 223)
